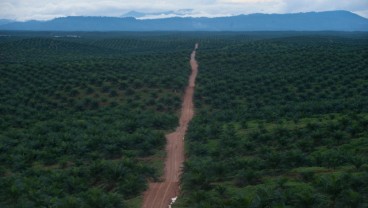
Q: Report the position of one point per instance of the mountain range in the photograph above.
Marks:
(310, 21)
(5, 21)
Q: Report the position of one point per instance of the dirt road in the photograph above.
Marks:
(159, 195)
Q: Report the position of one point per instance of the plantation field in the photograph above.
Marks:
(83, 119)
(280, 122)
(281, 118)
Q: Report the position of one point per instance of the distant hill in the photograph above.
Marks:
(134, 14)
(5, 21)
(310, 21)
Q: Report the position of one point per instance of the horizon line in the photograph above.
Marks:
(178, 16)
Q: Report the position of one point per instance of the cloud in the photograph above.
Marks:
(47, 9)
(323, 5)
(363, 13)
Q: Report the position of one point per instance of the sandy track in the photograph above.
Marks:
(159, 195)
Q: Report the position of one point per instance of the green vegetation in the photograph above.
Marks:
(83, 119)
(280, 122)
(281, 118)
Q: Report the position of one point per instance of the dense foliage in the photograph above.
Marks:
(279, 122)
(83, 119)
(281, 118)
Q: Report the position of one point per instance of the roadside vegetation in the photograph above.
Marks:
(83, 119)
(279, 122)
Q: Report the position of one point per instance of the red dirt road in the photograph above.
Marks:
(159, 194)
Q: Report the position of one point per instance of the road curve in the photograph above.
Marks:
(159, 194)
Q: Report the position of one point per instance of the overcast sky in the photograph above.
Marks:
(48, 9)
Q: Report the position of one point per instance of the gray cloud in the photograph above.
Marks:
(47, 9)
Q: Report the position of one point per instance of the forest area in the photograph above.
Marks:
(281, 118)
